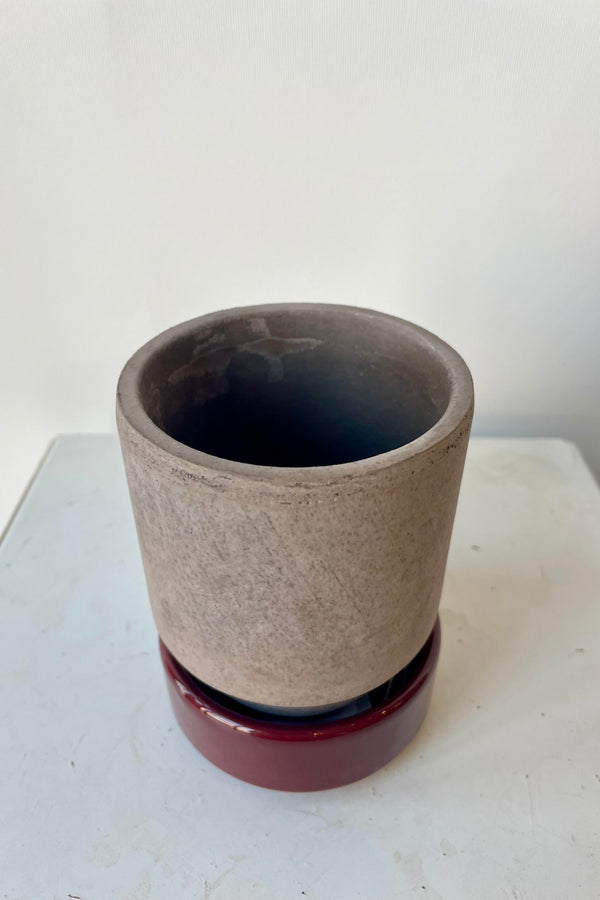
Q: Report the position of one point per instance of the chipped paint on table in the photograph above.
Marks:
(497, 797)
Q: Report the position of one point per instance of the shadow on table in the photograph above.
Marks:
(497, 630)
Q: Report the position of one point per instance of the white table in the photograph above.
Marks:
(102, 796)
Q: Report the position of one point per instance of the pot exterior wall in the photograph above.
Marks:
(294, 594)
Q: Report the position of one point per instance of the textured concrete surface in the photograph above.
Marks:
(307, 585)
(98, 778)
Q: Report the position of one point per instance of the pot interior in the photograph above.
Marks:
(298, 387)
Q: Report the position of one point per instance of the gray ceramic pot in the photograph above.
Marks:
(294, 471)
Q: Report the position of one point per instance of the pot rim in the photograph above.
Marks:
(458, 410)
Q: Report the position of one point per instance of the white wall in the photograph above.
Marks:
(435, 159)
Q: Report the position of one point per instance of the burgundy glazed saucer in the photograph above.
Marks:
(307, 754)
